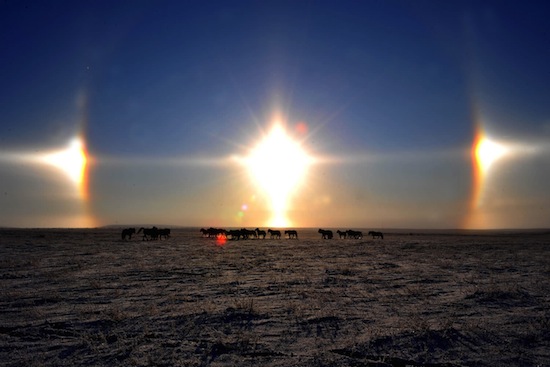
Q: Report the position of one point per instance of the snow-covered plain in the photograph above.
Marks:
(85, 297)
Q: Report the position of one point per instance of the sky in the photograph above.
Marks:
(338, 114)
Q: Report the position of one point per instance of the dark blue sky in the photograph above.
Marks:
(165, 79)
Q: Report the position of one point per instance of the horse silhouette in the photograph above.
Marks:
(274, 233)
(342, 234)
(247, 233)
(355, 234)
(292, 233)
(325, 234)
(375, 234)
(149, 233)
(128, 232)
(261, 233)
(234, 233)
(213, 232)
(165, 232)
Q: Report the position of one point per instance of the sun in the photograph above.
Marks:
(278, 165)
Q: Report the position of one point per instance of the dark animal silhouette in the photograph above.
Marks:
(165, 232)
(355, 234)
(149, 233)
(326, 234)
(234, 233)
(292, 233)
(213, 232)
(274, 233)
(342, 234)
(375, 234)
(210, 232)
(247, 233)
(260, 233)
(128, 232)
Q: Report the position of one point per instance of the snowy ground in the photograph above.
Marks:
(85, 297)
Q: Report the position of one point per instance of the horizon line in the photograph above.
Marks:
(400, 229)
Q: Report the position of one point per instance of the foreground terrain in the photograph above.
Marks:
(86, 297)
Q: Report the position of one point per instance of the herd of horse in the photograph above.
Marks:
(155, 233)
(148, 233)
(351, 234)
(245, 234)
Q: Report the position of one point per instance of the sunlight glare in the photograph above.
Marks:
(488, 152)
(485, 153)
(278, 165)
(72, 160)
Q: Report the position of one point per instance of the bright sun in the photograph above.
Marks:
(278, 165)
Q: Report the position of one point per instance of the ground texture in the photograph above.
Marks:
(88, 298)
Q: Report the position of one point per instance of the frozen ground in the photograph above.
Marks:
(85, 297)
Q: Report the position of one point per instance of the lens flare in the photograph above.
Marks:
(221, 241)
(301, 128)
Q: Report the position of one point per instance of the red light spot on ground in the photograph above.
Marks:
(220, 241)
